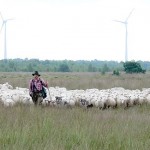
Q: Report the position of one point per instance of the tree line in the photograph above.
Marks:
(30, 65)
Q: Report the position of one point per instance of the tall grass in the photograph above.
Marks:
(25, 127)
(36, 128)
(81, 80)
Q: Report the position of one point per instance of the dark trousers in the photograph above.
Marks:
(37, 98)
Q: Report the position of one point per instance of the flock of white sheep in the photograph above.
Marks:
(56, 96)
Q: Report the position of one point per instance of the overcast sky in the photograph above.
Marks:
(75, 29)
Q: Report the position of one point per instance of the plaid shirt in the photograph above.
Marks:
(35, 85)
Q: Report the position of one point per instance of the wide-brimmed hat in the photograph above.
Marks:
(36, 73)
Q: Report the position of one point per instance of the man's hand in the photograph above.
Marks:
(46, 84)
(31, 94)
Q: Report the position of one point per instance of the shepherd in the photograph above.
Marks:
(37, 88)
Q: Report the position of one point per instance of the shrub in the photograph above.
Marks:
(133, 67)
(116, 72)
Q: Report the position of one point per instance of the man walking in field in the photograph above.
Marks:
(36, 89)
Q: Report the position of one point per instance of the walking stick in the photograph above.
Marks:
(50, 98)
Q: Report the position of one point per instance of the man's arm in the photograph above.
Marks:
(44, 83)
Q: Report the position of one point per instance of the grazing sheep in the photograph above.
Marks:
(58, 100)
(102, 99)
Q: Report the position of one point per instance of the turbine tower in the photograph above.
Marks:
(126, 34)
(4, 22)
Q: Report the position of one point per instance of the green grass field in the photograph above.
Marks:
(25, 127)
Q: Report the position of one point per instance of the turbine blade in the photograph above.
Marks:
(1, 27)
(1, 16)
(129, 14)
(119, 21)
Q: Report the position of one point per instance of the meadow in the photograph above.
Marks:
(47, 128)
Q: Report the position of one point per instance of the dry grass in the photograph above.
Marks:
(28, 127)
(81, 80)
(35, 128)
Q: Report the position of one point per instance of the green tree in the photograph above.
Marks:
(116, 72)
(91, 68)
(64, 68)
(105, 68)
(30, 67)
(133, 67)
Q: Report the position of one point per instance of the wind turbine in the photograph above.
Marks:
(126, 35)
(4, 22)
